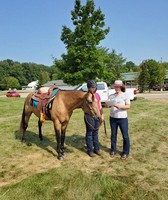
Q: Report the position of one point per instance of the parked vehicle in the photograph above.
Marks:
(12, 94)
(132, 92)
(104, 91)
(161, 87)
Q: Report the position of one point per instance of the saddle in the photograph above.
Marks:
(42, 97)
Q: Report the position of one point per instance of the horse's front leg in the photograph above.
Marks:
(24, 124)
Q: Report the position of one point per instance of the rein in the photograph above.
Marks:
(91, 124)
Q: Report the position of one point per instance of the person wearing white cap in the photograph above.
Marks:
(120, 102)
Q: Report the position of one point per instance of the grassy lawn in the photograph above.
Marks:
(32, 172)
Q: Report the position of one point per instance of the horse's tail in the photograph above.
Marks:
(23, 125)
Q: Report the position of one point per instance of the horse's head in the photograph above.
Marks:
(90, 105)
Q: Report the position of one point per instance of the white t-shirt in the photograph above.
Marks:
(119, 99)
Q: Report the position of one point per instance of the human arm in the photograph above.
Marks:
(123, 107)
(123, 103)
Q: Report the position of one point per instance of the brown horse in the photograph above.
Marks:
(62, 108)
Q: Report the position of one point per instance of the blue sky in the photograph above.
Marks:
(30, 30)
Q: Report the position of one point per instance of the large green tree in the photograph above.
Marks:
(151, 73)
(115, 65)
(12, 82)
(157, 73)
(82, 61)
(130, 67)
(143, 78)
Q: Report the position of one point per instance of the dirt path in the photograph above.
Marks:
(158, 95)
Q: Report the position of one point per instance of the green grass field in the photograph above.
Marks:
(32, 171)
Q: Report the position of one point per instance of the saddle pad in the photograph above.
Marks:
(34, 103)
(54, 92)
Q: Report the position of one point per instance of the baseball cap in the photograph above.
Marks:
(91, 83)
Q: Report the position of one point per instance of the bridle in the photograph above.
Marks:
(89, 104)
(91, 112)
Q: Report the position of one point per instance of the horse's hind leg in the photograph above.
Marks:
(24, 123)
(40, 130)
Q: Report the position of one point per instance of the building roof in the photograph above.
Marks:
(60, 84)
(33, 84)
(130, 76)
(54, 82)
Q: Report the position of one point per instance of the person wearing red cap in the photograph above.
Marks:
(120, 102)
(92, 124)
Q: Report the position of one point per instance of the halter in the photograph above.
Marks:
(91, 111)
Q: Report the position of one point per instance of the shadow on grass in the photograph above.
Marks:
(32, 138)
(79, 142)
(75, 141)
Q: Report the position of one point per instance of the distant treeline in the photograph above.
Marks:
(15, 74)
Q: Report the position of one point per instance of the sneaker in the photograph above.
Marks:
(112, 154)
(98, 153)
(124, 156)
(91, 154)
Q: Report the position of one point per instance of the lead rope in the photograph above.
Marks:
(91, 124)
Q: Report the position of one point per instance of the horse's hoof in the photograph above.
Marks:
(60, 158)
(24, 140)
(63, 153)
(29, 144)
